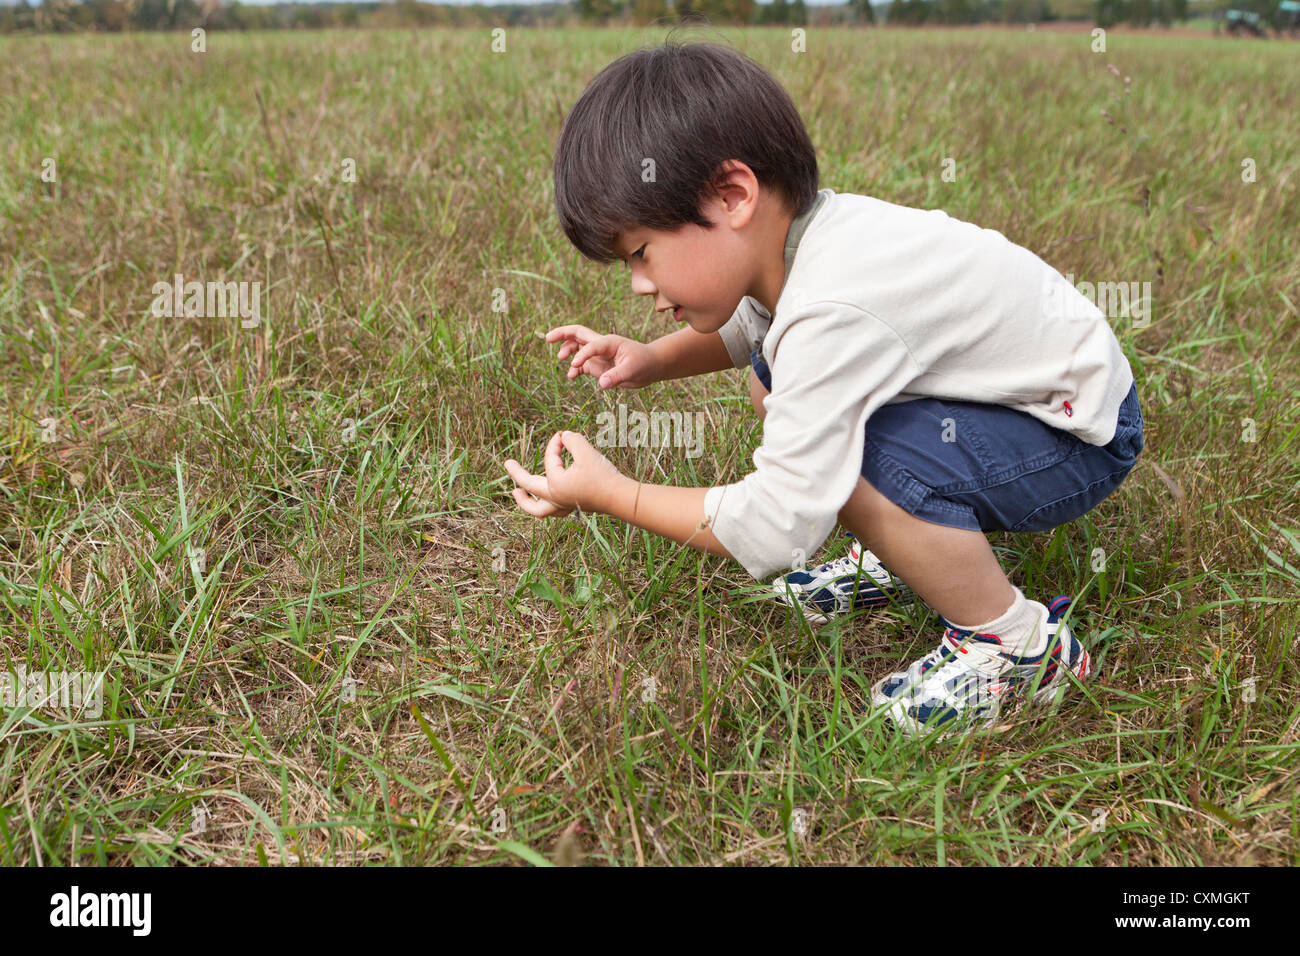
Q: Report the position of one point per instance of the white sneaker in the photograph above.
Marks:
(853, 582)
(967, 679)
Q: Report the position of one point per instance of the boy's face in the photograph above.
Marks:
(698, 275)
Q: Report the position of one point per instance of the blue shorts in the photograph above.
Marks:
(1000, 470)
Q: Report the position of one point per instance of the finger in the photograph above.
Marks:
(592, 348)
(595, 367)
(552, 458)
(575, 442)
(614, 375)
(533, 484)
(579, 332)
(570, 346)
(537, 507)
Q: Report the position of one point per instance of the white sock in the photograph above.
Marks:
(1020, 627)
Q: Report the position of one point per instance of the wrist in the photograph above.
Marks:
(660, 358)
(617, 498)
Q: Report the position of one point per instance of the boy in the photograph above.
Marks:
(919, 378)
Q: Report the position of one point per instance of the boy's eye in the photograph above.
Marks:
(627, 263)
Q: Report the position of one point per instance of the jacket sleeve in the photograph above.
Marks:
(744, 331)
(834, 365)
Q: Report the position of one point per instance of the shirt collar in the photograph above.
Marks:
(797, 227)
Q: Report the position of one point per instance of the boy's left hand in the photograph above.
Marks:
(585, 484)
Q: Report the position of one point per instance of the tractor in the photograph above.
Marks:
(1243, 23)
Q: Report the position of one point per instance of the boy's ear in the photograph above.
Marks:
(736, 185)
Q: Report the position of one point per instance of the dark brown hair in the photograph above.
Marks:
(688, 107)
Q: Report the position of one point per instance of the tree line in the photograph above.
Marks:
(139, 15)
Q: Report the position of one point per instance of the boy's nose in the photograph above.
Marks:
(642, 286)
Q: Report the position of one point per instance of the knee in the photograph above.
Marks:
(756, 395)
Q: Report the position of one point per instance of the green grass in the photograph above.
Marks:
(302, 629)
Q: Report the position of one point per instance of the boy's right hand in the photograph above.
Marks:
(612, 359)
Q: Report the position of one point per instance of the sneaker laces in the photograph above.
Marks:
(850, 566)
(847, 558)
(934, 664)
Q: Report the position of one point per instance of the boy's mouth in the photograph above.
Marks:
(677, 313)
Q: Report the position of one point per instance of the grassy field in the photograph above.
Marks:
(329, 637)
